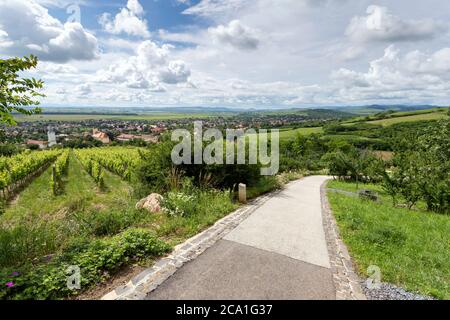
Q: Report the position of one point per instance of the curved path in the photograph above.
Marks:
(278, 252)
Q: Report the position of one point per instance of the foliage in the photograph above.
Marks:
(156, 171)
(94, 258)
(354, 165)
(186, 201)
(178, 204)
(16, 169)
(8, 149)
(16, 92)
(60, 169)
(421, 168)
(122, 161)
(92, 167)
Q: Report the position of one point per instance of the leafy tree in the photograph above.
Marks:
(16, 92)
(421, 168)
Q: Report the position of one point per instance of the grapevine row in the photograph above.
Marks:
(92, 167)
(119, 160)
(59, 170)
(20, 169)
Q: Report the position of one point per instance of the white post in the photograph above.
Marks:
(242, 193)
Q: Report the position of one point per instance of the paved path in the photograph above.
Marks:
(279, 252)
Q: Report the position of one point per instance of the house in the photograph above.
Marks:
(158, 130)
(100, 136)
(146, 137)
(40, 143)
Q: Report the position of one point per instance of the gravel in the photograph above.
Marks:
(388, 291)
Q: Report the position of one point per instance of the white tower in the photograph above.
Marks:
(51, 137)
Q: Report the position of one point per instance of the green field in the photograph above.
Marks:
(82, 117)
(411, 247)
(412, 118)
(289, 134)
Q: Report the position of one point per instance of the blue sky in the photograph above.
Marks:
(160, 14)
(243, 53)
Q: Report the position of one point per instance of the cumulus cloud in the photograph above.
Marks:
(396, 76)
(149, 68)
(235, 34)
(129, 21)
(381, 25)
(30, 29)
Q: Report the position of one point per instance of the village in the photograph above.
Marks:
(96, 132)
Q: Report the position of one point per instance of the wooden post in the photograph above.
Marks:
(55, 187)
(242, 193)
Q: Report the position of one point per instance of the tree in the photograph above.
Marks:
(16, 92)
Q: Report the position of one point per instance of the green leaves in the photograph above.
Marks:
(16, 92)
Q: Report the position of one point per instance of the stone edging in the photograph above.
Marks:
(148, 280)
(346, 281)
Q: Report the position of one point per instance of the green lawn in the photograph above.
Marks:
(412, 248)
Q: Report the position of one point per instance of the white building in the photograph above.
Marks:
(51, 137)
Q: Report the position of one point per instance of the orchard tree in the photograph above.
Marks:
(18, 93)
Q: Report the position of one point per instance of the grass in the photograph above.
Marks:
(410, 247)
(421, 116)
(292, 133)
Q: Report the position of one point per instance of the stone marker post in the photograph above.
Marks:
(242, 193)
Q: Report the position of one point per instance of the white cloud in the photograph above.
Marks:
(397, 76)
(148, 69)
(235, 34)
(129, 20)
(214, 7)
(381, 25)
(32, 30)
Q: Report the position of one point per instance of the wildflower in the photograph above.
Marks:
(10, 284)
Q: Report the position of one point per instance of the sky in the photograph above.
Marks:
(233, 53)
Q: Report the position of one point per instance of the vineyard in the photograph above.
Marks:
(76, 207)
(17, 171)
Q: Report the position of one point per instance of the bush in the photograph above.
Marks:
(192, 201)
(156, 171)
(178, 204)
(95, 260)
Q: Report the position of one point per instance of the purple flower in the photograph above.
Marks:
(10, 284)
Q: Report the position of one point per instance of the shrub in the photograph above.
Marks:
(95, 260)
(178, 204)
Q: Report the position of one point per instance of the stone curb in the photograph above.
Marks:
(148, 280)
(345, 279)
